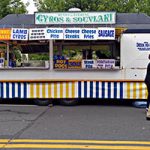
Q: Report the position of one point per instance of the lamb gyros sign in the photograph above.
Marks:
(75, 18)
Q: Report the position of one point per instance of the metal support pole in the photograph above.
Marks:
(51, 53)
(7, 54)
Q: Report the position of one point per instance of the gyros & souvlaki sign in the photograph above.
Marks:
(76, 18)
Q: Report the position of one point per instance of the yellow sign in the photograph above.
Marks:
(5, 34)
(60, 64)
(74, 64)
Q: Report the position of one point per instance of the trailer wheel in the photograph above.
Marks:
(42, 102)
(69, 102)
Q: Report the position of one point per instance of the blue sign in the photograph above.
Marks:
(72, 33)
(89, 34)
(143, 46)
(106, 33)
(88, 64)
(19, 34)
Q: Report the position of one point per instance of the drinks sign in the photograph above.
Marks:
(76, 18)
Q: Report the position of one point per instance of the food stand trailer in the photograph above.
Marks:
(73, 55)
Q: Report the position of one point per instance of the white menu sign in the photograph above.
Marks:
(55, 33)
(105, 63)
(37, 34)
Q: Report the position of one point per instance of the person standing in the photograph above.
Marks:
(147, 82)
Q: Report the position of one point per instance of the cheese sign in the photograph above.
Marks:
(89, 34)
(72, 33)
(106, 33)
(19, 34)
(37, 34)
(55, 33)
(5, 34)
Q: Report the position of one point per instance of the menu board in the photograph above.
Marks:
(60, 64)
(58, 33)
(74, 64)
(55, 33)
(105, 63)
(89, 34)
(106, 34)
(5, 34)
(72, 33)
(88, 64)
(19, 34)
(37, 34)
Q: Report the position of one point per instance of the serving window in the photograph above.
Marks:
(24, 55)
(86, 55)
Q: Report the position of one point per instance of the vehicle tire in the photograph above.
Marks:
(42, 102)
(69, 102)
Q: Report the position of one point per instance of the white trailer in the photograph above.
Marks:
(74, 55)
(123, 80)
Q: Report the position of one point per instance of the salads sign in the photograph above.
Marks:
(76, 18)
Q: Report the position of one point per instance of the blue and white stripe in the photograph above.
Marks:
(74, 89)
(97, 89)
(13, 90)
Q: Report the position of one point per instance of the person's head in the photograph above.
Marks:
(149, 56)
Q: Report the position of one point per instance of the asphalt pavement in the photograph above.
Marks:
(58, 126)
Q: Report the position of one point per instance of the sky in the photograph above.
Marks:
(31, 8)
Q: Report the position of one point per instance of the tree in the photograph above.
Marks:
(11, 7)
(124, 6)
(84, 5)
(50, 5)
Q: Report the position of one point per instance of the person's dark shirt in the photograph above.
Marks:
(147, 78)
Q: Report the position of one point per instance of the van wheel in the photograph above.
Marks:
(42, 102)
(68, 102)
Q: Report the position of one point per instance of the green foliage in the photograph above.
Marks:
(123, 6)
(50, 5)
(43, 56)
(11, 7)
(17, 54)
